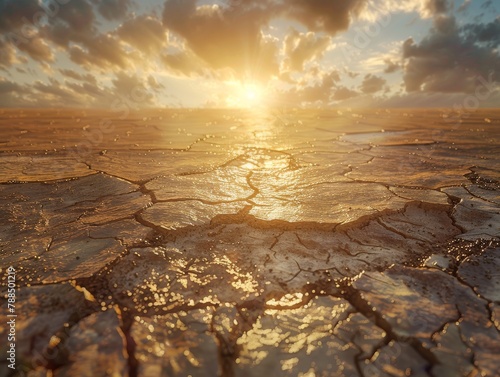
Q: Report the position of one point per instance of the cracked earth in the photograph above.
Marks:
(225, 243)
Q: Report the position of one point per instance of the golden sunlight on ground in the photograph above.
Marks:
(251, 242)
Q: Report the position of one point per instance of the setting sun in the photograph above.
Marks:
(246, 95)
(253, 93)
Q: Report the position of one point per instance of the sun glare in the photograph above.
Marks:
(251, 94)
(246, 96)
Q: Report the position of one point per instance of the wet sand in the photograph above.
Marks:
(252, 243)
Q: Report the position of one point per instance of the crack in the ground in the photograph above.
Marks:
(356, 300)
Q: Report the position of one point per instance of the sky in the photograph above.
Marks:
(250, 53)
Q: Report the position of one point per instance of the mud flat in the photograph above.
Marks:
(233, 243)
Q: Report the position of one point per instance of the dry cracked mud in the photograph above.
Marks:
(228, 243)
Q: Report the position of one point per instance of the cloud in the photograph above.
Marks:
(154, 84)
(77, 76)
(37, 49)
(102, 51)
(78, 15)
(319, 91)
(11, 94)
(8, 86)
(225, 37)
(372, 84)
(16, 13)
(325, 15)
(377, 9)
(16, 25)
(145, 33)
(465, 5)
(487, 4)
(184, 63)
(330, 16)
(241, 45)
(74, 28)
(300, 48)
(134, 90)
(434, 7)
(7, 53)
(351, 74)
(489, 33)
(391, 66)
(94, 94)
(234, 40)
(33, 26)
(55, 94)
(450, 59)
(69, 25)
(343, 93)
(130, 90)
(113, 9)
(434, 99)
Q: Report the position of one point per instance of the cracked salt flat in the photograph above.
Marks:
(211, 243)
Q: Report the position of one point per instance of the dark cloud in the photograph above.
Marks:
(16, 13)
(32, 26)
(489, 33)
(73, 21)
(330, 16)
(113, 9)
(74, 27)
(8, 86)
(325, 15)
(450, 59)
(129, 90)
(342, 93)
(67, 94)
(300, 48)
(78, 15)
(436, 6)
(372, 84)
(37, 49)
(18, 24)
(71, 25)
(58, 95)
(103, 51)
(11, 94)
